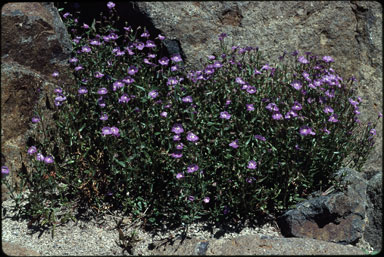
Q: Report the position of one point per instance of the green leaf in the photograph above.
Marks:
(120, 163)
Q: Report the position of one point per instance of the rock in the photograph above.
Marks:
(338, 217)
(34, 44)
(255, 245)
(351, 32)
(12, 249)
(373, 233)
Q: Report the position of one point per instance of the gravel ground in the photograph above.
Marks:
(99, 237)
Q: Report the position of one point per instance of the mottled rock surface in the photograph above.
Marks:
(337, 217)
(373, 232)
(349, 31)
(256, 245)
(34, 44)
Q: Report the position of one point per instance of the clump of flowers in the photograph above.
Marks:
(237, 139)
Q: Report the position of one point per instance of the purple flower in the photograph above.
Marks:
(250, 180)
(176, 138)
(132, 70)
(82, 90)
(328, 109)
(124, 99)
(272, 107)
(160, 37)
(145, 34)
(4, 170)
(32, 150)
(225, 115)
(177, 128)
(172, 81)
(73, 60)
(115, 131)
(187, 99)
(266, 67)
(176, 58)
(55, 74)
(290, 114)
(191, 198)
(260, 137)
(328, 59)
(35, 119)
(192, 168)
(85, 49)
(104, 117)
(164, 61)
(305, 130)
(373, 132)
(326, 131)
(106, 131)
(192, 137)
(296, 85)
(180, 146)
(110, 5)
(251, 89)
(77, 68)
(222, 36)
(98, 74)
(150, 44)
(95, 42)
(117, 84)
(102, 91)
(252, 165)
(240, 81)
(48, 159)
(226, 210)
(206, 199)
(297, 106)
(303, 60)
(153, 93)
(40, 157)
(277, 116)
(250, 107)
(217, 64)
(234, 144)
(164, 114)
(333, 118)
(128, 80)
(179, 175)
(353, 102)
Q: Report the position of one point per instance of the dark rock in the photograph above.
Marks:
(256, 245)
(34, 44)
(373, 232)
(351, 32)
(337, 217)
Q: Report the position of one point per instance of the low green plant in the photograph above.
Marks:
(238, 140)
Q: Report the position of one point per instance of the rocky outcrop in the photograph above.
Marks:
(349, 31)
(373, 233)
(34, 44)
(340, 217)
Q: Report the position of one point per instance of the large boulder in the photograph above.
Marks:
(373, 233)
(340, 217)
(34, 44)
(351, 32)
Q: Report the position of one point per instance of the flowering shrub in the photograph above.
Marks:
(238, 139)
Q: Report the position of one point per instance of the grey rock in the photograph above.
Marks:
(255, 245)
(351, 32)
(337, 217)
(373, 232)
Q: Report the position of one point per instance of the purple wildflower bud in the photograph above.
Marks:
(32, 150)
(191, 198)
(104, 117)
(192, 137)
(177, 129)
(106, 131)
(35, 119)
(297, 106)
(252, 165)
(176, 58)
(82, 90)
(250, 107)
(192, 168)
(260, 137)
(4, 170)
(160, 37)
(153, 94)
(179, 175)
(85, 49)
(164, 114)
(251, 89)
(164, 61)
(305, 130)
(303, 60)
(98, 74)
(150, 44)
(296, 85)
(222, 36)
(272, 107)
(102, 91)
(110, 5)
(333, 118)
(234, 144)
(180, 146)
(328, 59)
(187, 99)
(48, 159)
(40, 157)
(115, 131)
(225, 115)
(176, 138)
(124, 99)
(277, 116)
(240, 81)
(132, 70)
